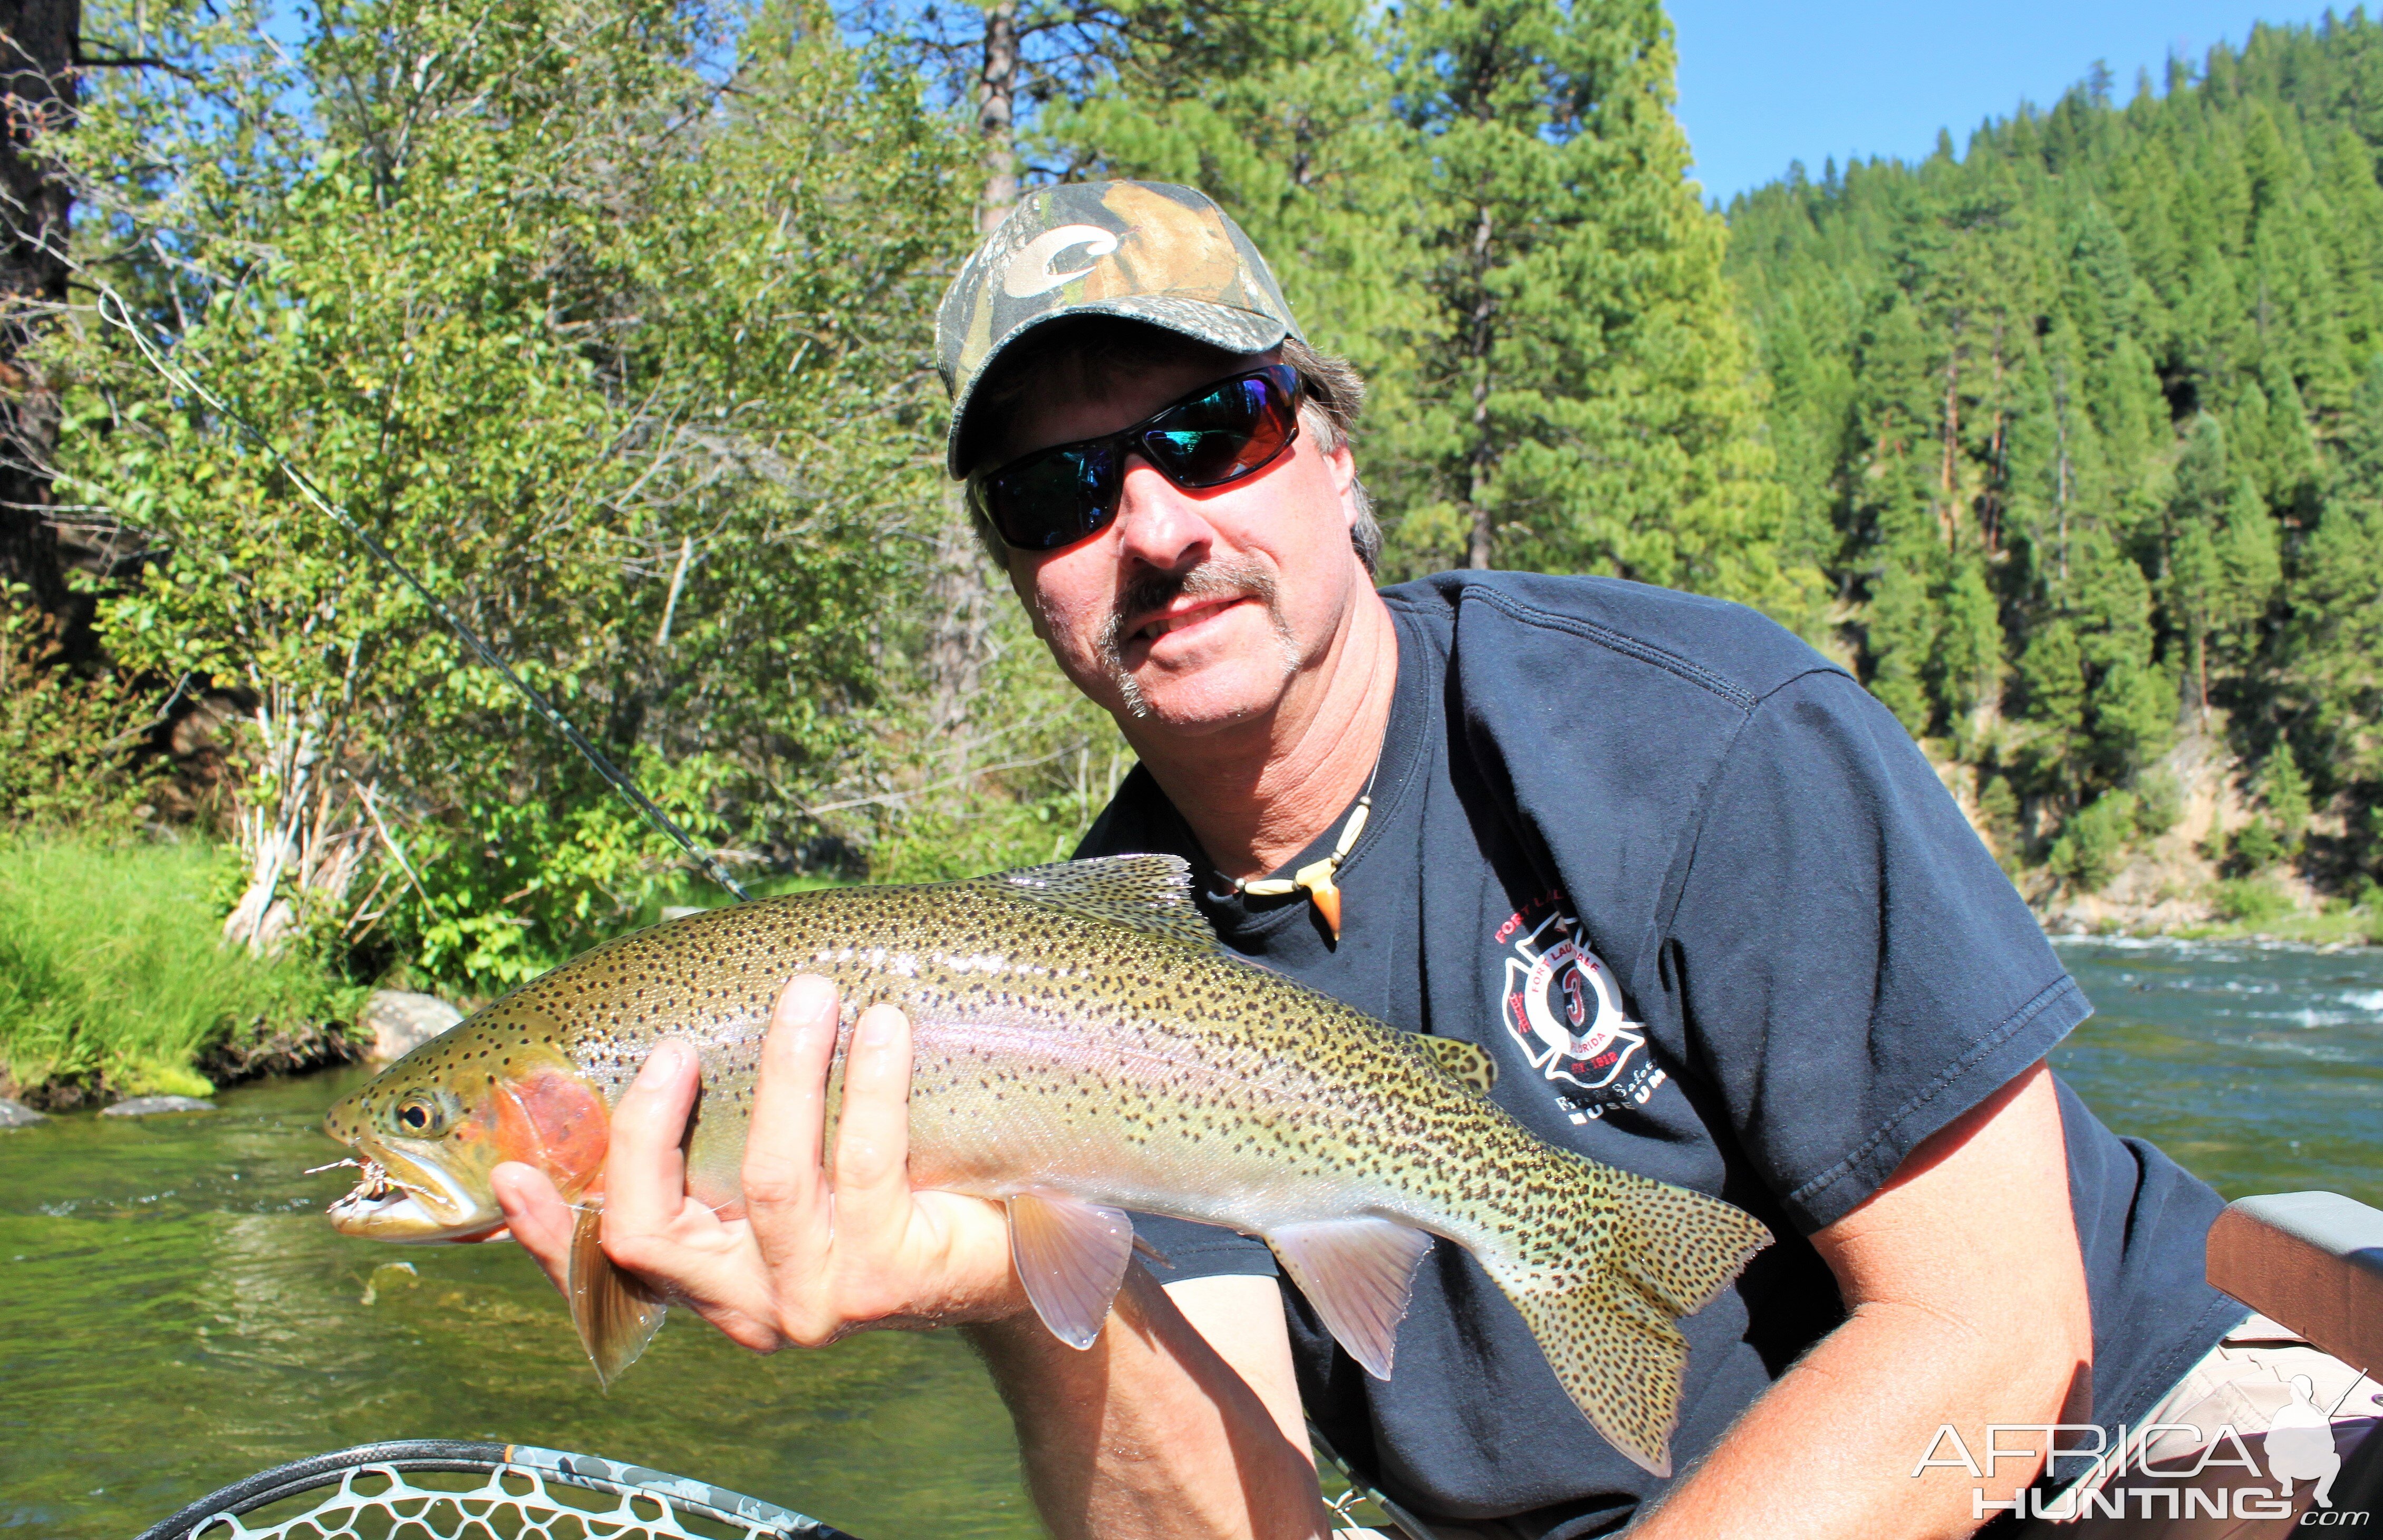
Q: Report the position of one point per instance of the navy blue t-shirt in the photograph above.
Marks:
(1719, 924)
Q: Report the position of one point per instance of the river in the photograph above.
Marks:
(175, 1313)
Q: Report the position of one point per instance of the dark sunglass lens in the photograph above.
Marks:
(1052, 500)
(1224, 434)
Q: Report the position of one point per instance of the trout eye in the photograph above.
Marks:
(421, 1116)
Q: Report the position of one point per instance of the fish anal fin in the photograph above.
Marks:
(616, 1315)
(1619, 1358)
(1150, 894)
(1071, 1256)
(1358, 1273)
(1469, 1064)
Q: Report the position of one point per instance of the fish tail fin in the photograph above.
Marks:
(1680, 1248)
(1607, 1330)
(616, 1315)
(1619, 1358)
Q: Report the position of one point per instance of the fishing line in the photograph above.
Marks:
(181, 379)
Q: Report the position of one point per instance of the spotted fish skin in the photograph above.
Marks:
(1082, 1045)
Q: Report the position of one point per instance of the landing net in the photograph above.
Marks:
(440, 1489)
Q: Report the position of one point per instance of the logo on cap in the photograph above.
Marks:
(1031, 273)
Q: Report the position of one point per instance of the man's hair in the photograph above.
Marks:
(1083, 355)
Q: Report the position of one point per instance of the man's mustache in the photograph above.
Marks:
(1228, 578)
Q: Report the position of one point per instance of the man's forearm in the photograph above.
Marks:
(1828, 1450)
(1149, 1433)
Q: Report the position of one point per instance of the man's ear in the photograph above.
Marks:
(1341, 463)
(1020, 570)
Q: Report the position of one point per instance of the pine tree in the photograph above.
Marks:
(1582, 399)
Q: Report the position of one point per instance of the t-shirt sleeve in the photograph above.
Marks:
(1855, 971)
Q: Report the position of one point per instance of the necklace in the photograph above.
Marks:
(1315, 876)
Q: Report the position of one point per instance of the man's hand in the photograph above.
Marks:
(824, 1247)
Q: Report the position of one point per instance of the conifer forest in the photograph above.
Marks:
(611, 320)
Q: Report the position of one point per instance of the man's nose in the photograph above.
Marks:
(1158, 524)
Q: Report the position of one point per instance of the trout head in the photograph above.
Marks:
(431, 1127)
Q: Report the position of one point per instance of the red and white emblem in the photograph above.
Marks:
(1566, 1013)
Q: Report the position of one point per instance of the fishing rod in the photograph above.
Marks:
(182, 379)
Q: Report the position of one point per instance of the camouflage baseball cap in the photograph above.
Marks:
(1148, 252)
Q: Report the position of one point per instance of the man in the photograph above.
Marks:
(1691, 887)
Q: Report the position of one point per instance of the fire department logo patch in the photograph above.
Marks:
(1565, 1011)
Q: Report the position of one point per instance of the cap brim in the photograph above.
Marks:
(1227, 327)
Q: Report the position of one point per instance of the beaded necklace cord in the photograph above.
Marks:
(1315, 876)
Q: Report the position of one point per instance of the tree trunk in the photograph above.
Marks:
(1482, 547)
(959, 603)
(996, 104)
(37, 89)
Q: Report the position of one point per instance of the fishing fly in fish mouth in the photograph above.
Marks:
(1082, 1047)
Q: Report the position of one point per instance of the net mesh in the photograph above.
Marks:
(382, 1502)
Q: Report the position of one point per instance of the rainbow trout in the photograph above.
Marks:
(1083, 1046)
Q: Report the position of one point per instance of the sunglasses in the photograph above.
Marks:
(1212, 438)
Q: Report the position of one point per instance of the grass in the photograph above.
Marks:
(111, 975)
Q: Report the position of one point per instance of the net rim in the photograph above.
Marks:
(591, 1472)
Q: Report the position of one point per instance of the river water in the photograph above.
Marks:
(175, 1313)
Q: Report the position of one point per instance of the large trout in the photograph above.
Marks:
(1083, 1046)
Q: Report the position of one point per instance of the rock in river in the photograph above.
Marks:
(399, 1022)
(144, 1106)
(16, 1114)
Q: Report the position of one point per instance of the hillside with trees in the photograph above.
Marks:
(2086, 428)
(610, 321)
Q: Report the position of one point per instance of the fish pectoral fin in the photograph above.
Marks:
(1619, 1358)
(1358, 1275)
(1070, 1256)
(616, 1315)
(1468, 1065)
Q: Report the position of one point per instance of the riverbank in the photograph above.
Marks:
(2180, 871)
(113, 983)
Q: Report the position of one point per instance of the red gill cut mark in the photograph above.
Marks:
(555, 1123)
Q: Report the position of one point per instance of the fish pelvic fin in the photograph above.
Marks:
(1358, 1275)
(1619, 1358)
(616, 1315)
(1070, 1255)
(1679, 1247)
(1469, 1064)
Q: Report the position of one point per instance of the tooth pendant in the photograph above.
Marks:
(1317, 876)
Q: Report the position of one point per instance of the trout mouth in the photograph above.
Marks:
(403, 1196)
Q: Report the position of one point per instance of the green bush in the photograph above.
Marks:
(2247, 901)
(2159, 804)
(112, 976)
(65, 741)
(2254, 847)
(2087, 852)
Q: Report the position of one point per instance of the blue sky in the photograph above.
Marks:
(1763, 83)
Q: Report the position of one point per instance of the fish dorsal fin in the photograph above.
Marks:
(1358, 1275)
(1468, 1065)
(1070, 1256)
(1151, 893)
(616, 1315)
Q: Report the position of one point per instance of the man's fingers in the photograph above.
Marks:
(536, 1214)
(872, 1129)
(784, 1191)
(645, 1173)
